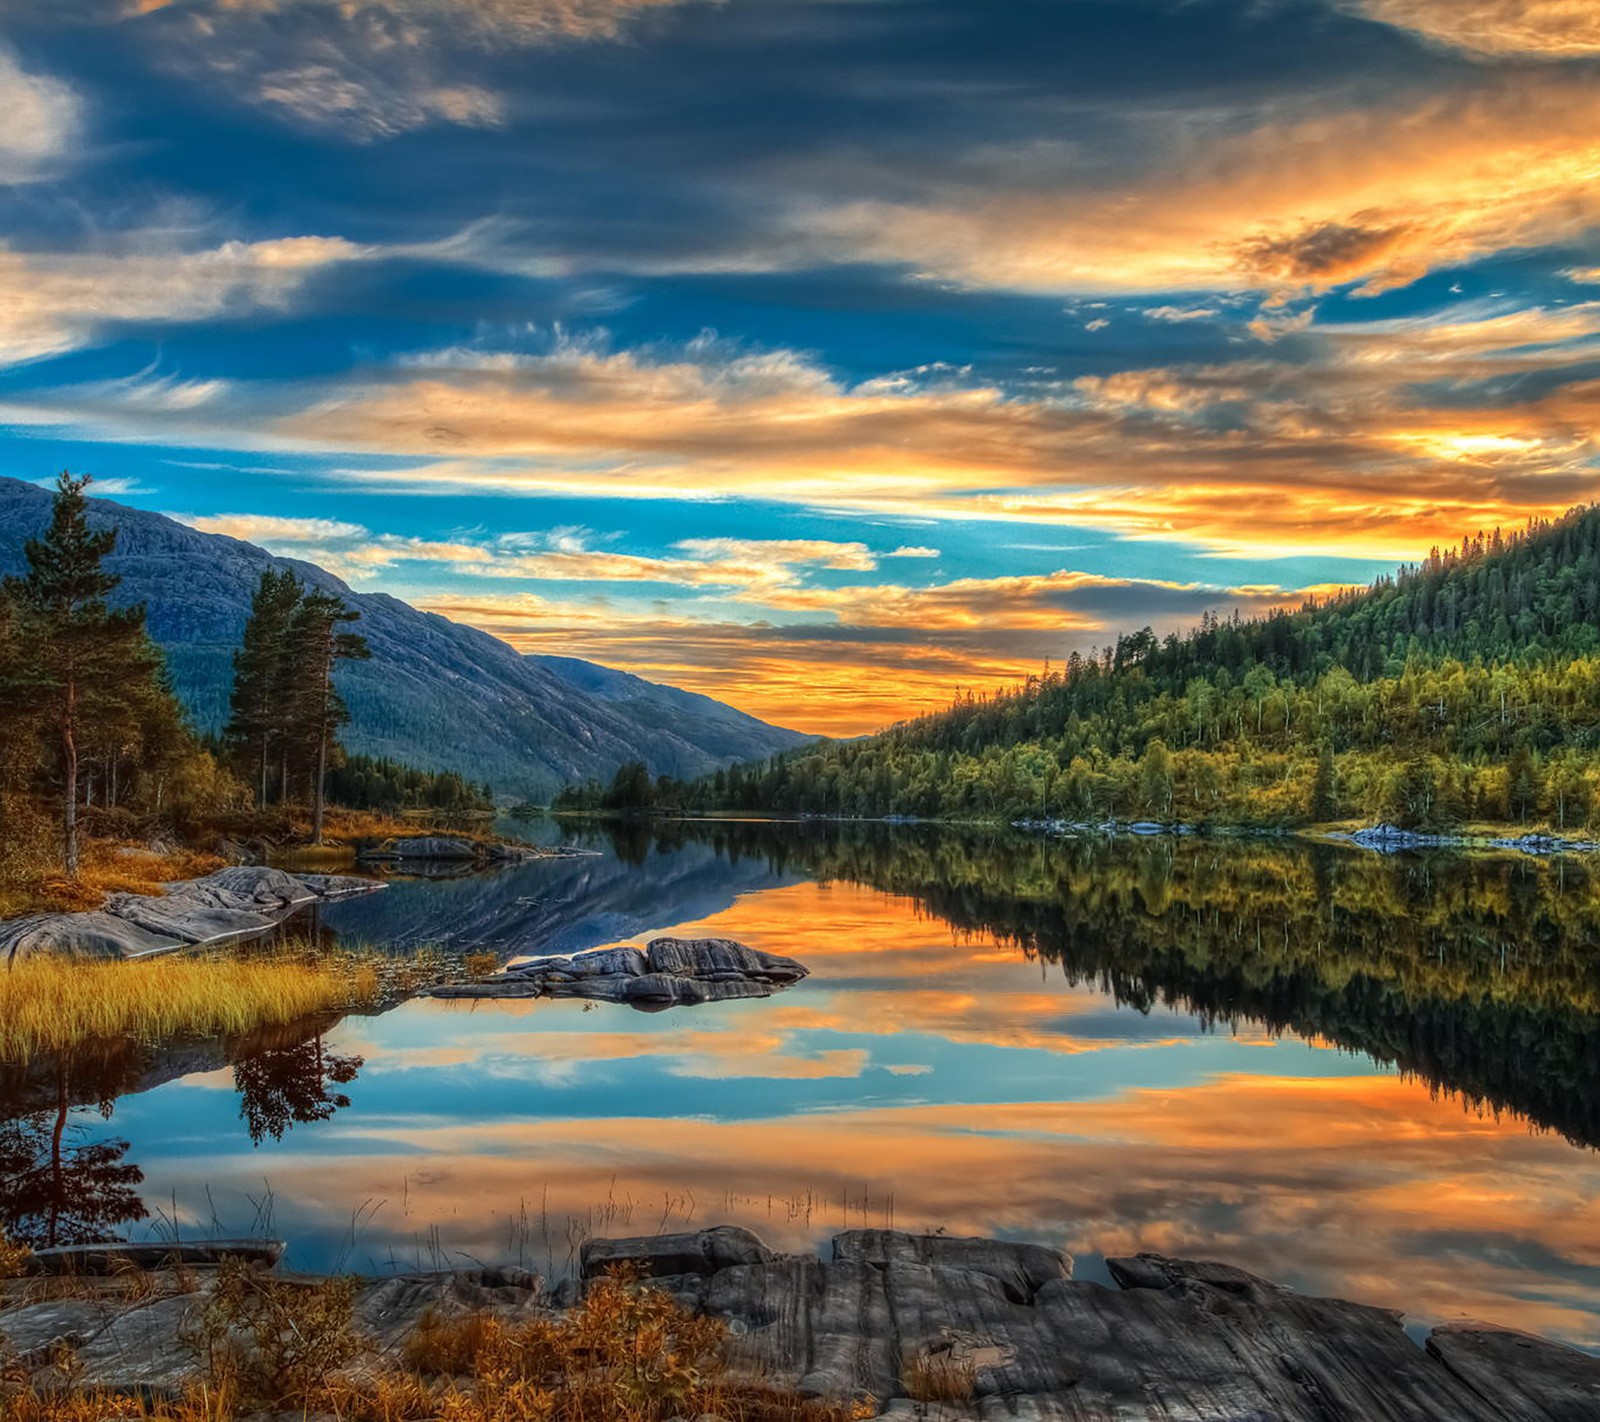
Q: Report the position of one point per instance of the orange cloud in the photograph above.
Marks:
(1377, 195)
(1543, 29)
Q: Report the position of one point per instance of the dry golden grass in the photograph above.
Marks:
(108, 867)
(13, 1258)
(50, 1005)
(939, 1377)
(279, 1348)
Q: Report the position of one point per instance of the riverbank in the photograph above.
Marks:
(714, 1322)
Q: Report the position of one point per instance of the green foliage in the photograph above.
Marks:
(1465, 687)
(284, 701)
(86, 710)
(362, 782)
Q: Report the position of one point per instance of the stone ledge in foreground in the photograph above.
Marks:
(1177, 1340)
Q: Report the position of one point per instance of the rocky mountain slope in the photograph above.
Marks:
(436, 694)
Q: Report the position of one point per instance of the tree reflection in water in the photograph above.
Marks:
(63, 1182)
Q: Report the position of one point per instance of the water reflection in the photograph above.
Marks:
(1363, 1077)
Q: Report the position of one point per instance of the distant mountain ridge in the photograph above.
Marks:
(436, 694)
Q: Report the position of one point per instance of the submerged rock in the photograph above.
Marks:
(670, 972)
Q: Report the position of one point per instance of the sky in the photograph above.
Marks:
(827, 356)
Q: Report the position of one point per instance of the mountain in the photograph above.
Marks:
(1465, 687)
(436, 694)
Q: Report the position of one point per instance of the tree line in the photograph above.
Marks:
(1466, 687)
(89, 724)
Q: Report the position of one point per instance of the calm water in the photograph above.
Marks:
(1363, 1077)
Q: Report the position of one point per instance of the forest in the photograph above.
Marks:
(1463, 688)
(95, 748)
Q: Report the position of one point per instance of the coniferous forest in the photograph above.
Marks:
(1464, 688)
(94, 744)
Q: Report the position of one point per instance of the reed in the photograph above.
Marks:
(52, 1005)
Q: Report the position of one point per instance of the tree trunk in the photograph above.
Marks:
(322, 773)
(69, 762)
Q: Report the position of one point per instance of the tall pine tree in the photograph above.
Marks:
(260, 710)
(317, 710)
(87, 663)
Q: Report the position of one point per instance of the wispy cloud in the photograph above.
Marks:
(1543, 29)
(43, 121)
(1377, 194)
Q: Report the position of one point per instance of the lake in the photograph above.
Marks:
(1360, 1076)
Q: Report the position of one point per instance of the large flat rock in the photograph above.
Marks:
(238, 902)
(941, 1329)
(80, 935)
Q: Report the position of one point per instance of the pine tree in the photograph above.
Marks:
(85, 661)
(260, 705)
(1324, 788)
(316, 708)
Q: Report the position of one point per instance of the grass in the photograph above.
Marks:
(108, 867)
(52, 1005)
(286, 1348)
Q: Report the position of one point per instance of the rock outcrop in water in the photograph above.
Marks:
(998, 1330)
(670, 972)
(237, 902)
(450, 849)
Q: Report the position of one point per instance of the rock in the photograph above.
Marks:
(1530, 1377)
(189, 920)
(32, 1331)
(338, 886)
(388, 1310)
(621, 961)
(1156, 1271)
(236, 852)
(705, 957)
(1022, 1269)
(115, 1257)
(253, 888)
(142, 1351)
(672, 972)
(425, 846)
(703, 1252)
(80, 935)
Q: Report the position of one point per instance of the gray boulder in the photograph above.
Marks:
(338, 886)
(663, 1255)
(80, 935)
(189, 920)
(253, 888)
(1022, 1269)
(672, 972)
(425, 846)
(714, 957)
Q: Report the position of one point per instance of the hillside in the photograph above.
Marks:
(436, 694)
(1466, 687)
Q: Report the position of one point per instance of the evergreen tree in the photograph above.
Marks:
(316, 710)
(87, 663)
(1324, 789)
(260, 705)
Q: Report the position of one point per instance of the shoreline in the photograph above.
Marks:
(1380, 838)
(912, 1322)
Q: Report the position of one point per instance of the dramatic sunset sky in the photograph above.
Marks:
(823, 355)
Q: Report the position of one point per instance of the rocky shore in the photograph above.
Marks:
(929, 1326)
(669, 972)
(239, 902)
